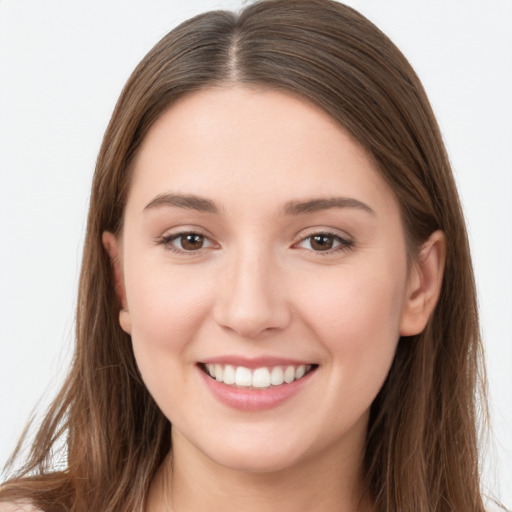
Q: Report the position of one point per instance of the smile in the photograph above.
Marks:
(258, 378)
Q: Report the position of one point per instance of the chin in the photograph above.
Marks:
(252, 451)
(255, 461)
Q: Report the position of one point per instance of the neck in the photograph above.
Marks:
(190, 481)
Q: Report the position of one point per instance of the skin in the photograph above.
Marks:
(259, 286)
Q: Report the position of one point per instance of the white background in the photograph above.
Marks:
(62, 67)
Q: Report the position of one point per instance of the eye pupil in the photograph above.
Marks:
(322, 242)
(192, 241)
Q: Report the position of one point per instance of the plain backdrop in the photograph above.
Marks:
(62, 67)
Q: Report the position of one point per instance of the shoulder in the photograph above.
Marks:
(18, 506)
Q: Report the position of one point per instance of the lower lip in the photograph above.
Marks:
(253, 399)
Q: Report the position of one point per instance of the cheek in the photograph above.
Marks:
(167, 307)
(350, 305)
(356, 316)
(164, 299)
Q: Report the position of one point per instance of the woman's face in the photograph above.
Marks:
(263, 271)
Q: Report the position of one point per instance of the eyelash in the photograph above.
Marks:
(343, 243)
(168, 239)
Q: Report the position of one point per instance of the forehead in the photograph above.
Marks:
(255, 146)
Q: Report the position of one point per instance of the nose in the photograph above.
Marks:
(252, 299)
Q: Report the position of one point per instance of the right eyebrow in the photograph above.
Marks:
(324, 203)
(188, 201)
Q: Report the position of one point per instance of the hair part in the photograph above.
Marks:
(421, 451)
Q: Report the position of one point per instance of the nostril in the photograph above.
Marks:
(250, 300)
(252, 321)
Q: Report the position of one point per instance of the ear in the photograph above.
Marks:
(112, 245)
(424, 285)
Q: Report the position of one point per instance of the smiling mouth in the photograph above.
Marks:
(257, 378)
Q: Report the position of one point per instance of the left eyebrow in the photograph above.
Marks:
(324, 203)
(187, 201)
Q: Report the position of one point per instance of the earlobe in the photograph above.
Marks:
(125, 321)
(424, 285)
(112, 245)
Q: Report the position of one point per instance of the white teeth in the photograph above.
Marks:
(229, 374)
(219, 372)
(261, 378)
(257, 378)
(243, 377)
(277, 376)
(299, 372)
(289, 374)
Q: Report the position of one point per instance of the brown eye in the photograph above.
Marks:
(322, 242)
(187, 242)
(327, 243)
(190, 241)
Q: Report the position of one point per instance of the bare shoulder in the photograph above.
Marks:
(17, 507)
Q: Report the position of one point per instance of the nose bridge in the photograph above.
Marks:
(252, 299)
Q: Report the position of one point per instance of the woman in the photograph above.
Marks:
(276, 264)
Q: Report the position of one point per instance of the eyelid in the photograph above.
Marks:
(167, 239)
(346, 242)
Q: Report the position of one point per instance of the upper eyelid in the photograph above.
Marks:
(341, 239)
(324, 233)
(309, 232)
(186, 230)
(178, 234)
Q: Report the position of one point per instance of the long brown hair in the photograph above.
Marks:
(421, 452)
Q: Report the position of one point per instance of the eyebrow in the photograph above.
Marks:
(295, 207)
(188, 201)
(324, 203)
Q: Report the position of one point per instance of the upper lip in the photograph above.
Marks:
(254, 362)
